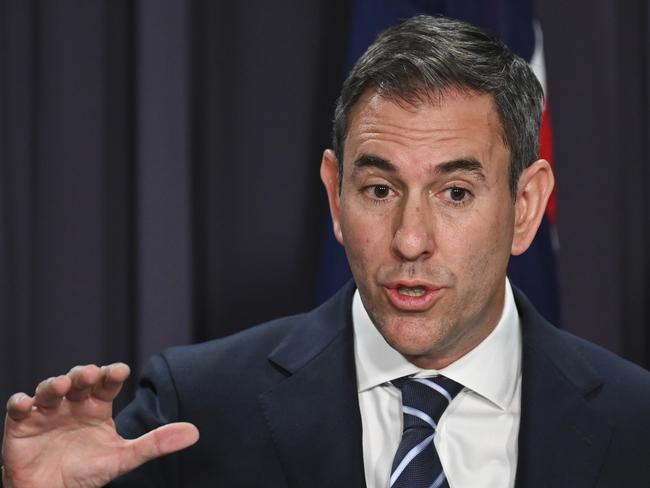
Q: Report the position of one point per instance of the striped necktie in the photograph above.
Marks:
(416, 463)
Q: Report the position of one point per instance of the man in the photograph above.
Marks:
(434, 181)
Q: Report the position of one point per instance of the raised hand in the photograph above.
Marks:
(64, 436)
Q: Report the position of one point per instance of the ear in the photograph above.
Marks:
(533, 191)
(329, 174)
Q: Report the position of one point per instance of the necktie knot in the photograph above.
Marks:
(424, 400)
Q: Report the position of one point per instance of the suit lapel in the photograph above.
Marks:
(313, 415)
(562, 440)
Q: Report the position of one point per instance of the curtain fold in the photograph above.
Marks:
(159, 172)
(159, 165)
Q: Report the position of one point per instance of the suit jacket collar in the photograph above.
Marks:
(562, 440)
(313, 415)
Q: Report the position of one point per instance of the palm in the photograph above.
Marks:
(67, 436)
(58, 447)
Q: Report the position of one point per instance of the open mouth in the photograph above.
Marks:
(412, 297)
(416, 291)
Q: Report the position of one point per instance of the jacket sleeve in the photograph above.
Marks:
(155, 404)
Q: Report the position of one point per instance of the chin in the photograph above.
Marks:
(418, 337)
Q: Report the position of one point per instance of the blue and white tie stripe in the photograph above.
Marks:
(416, 463)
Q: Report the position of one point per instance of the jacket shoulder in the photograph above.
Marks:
(621, 378)
(240, 348)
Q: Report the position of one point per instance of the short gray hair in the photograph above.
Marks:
(423, 58)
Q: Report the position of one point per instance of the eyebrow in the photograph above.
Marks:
(464, 165)
(371, 161)
(467, 165)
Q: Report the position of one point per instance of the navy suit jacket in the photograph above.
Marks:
(277, 406)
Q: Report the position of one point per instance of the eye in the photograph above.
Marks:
(380, 191)
(456, 195)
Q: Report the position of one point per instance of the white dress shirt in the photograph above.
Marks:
(476, 437)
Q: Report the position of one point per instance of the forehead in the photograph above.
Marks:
(455, 122)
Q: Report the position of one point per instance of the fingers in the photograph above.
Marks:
(84, 379)
(19, 406)
(81, 381)
(159, 442)
(50, 393)
(103, 383)
(114, 376)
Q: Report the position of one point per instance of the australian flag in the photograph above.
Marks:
(512, 21)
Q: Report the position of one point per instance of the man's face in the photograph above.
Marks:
(426, 218)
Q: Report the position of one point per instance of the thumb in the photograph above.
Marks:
(159, 442)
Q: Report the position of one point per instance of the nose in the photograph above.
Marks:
(413, 236)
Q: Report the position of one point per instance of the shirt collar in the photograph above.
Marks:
(491, 369)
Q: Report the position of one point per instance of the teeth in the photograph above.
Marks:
(417, 291)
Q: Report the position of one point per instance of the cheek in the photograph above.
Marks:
(366, 238)
(479, 244)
